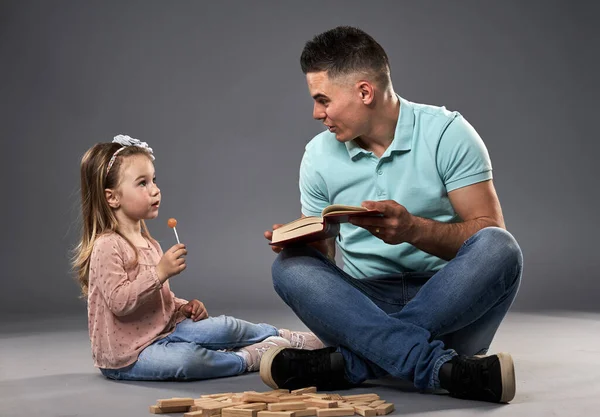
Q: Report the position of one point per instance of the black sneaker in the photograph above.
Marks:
(485, 378)
(290, 368)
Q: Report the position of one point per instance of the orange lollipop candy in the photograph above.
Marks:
(172, 223)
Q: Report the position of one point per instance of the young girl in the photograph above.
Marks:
(138, 329)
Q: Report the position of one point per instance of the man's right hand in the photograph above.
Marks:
(172, 262)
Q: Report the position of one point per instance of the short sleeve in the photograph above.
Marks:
(313, 191)
(462, 158)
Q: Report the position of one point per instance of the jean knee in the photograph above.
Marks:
(192, 363)
(289, 266)
(505, 250)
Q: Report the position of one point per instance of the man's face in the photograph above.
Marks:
(338, 104)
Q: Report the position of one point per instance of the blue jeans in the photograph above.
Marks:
(407, 324)
(193, 351)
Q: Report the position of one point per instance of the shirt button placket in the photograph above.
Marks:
(380, 189)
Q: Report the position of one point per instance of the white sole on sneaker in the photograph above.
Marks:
(507, 371)
(265, 366)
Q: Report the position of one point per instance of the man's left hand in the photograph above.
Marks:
(396, 225)
(194, 310)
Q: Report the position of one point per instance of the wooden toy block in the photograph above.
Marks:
(284, 398)
(155, 409)
(317, 395)
(304, 390)
(365, 411)
(204, 400)
(309, 412)
(321, 403)
(362, 397)
(251, 406)
(335, 397)
(288, 406)
(335, 412)
(205, 403)
(222, 398)
(223, 394)
(211, 408)
(205, 413)
(276, 392)
(238, 412)
(193, 414)
(376, 403)
(237, 399)
(175, 402)
(384, 409)
(276, 414)
(259, 398)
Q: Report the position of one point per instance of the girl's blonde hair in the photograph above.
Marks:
(97, 216)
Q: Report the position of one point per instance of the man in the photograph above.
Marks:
(425, 287)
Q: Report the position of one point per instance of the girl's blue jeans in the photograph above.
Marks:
(196, 350)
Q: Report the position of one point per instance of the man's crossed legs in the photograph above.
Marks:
(422, 327)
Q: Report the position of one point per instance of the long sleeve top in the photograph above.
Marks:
(128, 307)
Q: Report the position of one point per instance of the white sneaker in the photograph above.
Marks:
(255, 351)
(301, 340)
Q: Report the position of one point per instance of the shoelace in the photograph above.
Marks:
(298, 340)
(260, 351)
(314, 364)
(470, 375)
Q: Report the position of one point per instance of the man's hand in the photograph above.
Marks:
(477, 206)
(194, 310)
(269, 236)
(396, 225)
(326, 247)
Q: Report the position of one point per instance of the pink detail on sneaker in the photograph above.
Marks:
(301, 340)
(257, 350)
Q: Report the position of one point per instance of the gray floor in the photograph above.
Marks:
(45, 370)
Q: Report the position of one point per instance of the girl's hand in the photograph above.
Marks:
(194, 310)
(172, 262)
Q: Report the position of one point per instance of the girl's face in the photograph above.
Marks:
(138, 194)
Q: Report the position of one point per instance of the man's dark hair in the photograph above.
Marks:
(345, 50)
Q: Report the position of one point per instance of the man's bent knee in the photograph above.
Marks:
(504, 250)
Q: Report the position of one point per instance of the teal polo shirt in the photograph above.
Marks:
(434, 151)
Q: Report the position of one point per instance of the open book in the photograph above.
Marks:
(313, 228)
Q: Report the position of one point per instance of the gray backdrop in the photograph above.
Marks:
(216, 89)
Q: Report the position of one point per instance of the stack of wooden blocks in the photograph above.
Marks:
(304, 402)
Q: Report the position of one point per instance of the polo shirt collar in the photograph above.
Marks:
(402, 135)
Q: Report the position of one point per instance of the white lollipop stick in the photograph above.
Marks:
(176, 237)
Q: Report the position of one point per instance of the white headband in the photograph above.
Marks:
(127, 141)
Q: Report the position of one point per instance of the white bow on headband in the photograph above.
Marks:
(125, 140)
(129, 141)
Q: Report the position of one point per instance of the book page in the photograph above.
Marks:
(300, 223)
(341, 208)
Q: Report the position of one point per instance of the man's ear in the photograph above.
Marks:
(112, 198)
(366, 91)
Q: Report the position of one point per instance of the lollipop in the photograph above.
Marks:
(172, 223)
